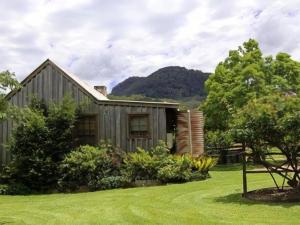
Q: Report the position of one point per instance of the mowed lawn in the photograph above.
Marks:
(213, 201)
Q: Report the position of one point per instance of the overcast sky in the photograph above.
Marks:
(106, 41)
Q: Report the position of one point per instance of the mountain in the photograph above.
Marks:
(172, 82)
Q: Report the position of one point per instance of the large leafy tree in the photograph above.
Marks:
(245, 75)
(256, 100)
(8, 82)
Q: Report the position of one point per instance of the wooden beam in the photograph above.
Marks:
(244, 172)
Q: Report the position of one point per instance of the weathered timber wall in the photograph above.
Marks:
(50, 83)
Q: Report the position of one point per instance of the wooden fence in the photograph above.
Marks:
(283, 168)
(228, 154)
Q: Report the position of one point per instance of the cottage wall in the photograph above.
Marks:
(49, 83)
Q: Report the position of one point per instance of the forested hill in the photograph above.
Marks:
(171, 82)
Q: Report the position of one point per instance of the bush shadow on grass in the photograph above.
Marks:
(4, 222)
(229, 167)
(233, 167)
(237, 198)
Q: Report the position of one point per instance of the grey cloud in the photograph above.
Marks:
(222, 9)
(106, 41)
(97, 14)
(101, 67)
(277, 30)
(13, 10)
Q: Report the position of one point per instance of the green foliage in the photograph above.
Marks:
(185, 168)
(60, 123)
(87, 166)
(79, 167)
(97, 168)
(204, 163)
(158, 164)
(218, 139)
(37, 146)
(141, 165)
(271, 120)
(256, 99)
(144, 165)
(110, 182)
(14, 189)
(31, 162)
(8, 82)
(178, 169)
(174, 173)
(245, 75)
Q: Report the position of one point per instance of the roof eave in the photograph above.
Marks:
(160, 104)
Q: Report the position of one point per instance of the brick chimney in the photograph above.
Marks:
(101, 89)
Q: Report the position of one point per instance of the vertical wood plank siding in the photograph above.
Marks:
(50, 84)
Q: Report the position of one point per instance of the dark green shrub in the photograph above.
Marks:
(178, 169)
(160, 152)
(144, 165)
(39, 143)
(185, 168)
(159, 164)
(196, 176)
(60, 123)
(87, 165)
(14, 189)
(31, 163)
(140, 165)
(78, 167)
(110, 182)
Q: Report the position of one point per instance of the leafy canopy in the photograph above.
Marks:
(273, 120)
(256, 101)
(246, 75)
(7, 82)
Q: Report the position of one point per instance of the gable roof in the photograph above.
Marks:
(85, 87)
(96, 94)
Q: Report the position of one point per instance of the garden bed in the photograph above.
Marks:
(274, 195)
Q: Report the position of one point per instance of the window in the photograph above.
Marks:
(86, 130)
(139, 125)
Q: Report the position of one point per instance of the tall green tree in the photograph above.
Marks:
(8, 82)
(245, 75)
(256, 100)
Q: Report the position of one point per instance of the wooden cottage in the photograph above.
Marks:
(127, 124)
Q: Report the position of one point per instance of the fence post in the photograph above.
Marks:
(244, 171)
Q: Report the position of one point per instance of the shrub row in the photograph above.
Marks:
(100, 168)
(104, 167)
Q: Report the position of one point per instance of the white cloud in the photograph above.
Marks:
(106, 41)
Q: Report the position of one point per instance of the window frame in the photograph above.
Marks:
(134, 115)
(96, 120)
